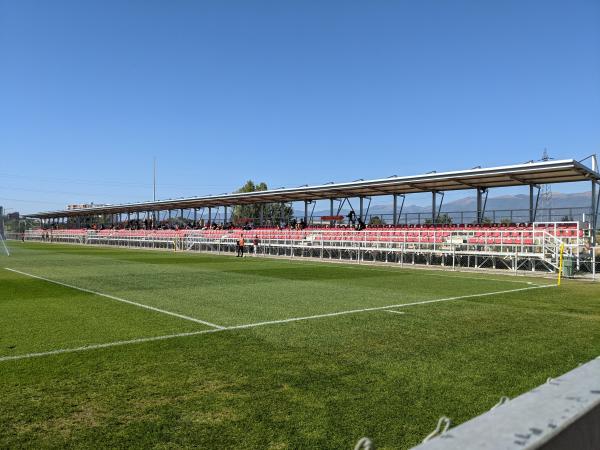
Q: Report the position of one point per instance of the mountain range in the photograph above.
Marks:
(503, 202)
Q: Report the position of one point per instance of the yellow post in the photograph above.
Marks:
(560, 262)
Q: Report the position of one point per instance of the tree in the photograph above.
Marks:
(444, 219)
(441, 220)
(376, 221)
(273, 213)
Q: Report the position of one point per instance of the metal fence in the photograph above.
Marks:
(534, 249)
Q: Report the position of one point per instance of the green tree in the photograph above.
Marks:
(273, 213)
(376, 221)
(444, 219)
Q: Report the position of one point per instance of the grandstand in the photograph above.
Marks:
(527, 246)
(195, 349)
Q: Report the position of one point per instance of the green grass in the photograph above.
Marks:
(319, 383)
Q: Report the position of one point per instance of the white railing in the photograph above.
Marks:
(540, 242)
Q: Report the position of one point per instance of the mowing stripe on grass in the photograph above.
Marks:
(259, 324)
(379, 308)
(112, 297)
(389, 267)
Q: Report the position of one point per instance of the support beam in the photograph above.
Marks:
(306, 202)
(479, 205)
(361, 212)
(331, 210)
(210, 215)
(224, 215)
(395, 209)
(433, 206)
(531, 209)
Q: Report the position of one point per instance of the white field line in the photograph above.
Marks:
(258, 324)
(108, 344)
(112, 297)
(395, 312)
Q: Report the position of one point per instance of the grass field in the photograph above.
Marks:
(142, 349)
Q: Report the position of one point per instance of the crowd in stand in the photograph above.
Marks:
(353, 223)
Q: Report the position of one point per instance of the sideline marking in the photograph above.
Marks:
(258, 324)
(112, 297)
(106, 345)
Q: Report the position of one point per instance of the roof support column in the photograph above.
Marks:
(261, 214)
(195, 215)
(433, 206)
(209, 215)
(306, 202)
(224, 215)
(531, 212)
(479, 205)
(361, 210)
(395, 209)
(331, 211)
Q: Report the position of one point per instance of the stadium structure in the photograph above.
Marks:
(353, 352)
(513, 240)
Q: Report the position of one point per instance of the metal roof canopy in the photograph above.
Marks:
(534, 173)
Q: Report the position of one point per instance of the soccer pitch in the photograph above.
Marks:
(104, 347)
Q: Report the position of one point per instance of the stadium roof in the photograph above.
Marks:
(545, 172)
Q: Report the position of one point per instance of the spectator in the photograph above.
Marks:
(352, 217)
(240, 247)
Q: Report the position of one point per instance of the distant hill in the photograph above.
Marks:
(503, 202)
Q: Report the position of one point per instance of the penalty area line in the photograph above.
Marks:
(386, 308)
(119, 299)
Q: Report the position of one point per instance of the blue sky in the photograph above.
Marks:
(284, 92)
